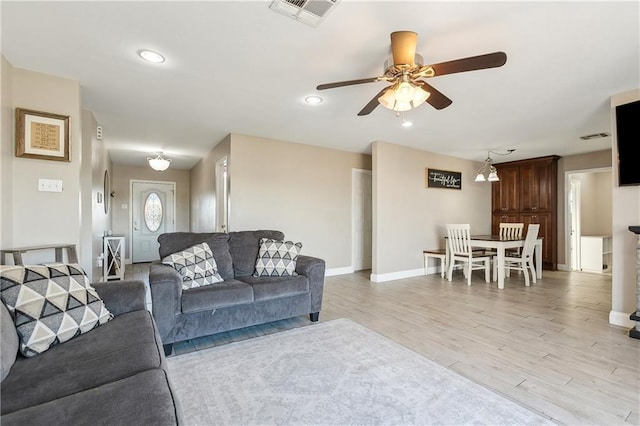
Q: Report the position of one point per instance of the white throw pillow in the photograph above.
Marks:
(277, 258)
(196, 265)
(50, 304)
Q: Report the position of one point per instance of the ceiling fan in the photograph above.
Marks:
(405, 73)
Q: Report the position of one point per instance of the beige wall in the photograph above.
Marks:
(591, 160)
(203, 187)
(94, 221)
(6, 153)
(302, 190)
(626, 212)
(409, 218)
(121, 179)
(33, 217)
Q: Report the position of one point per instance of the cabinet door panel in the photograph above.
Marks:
(505, 192)
(498, 218)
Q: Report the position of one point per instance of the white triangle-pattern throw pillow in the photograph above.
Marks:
(196, 265)
(277, 258)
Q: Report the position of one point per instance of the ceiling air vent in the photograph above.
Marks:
(595, 136)
(310, 12)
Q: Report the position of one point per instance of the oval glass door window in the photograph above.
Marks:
(153, 212)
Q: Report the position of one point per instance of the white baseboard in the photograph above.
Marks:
(563, 267)
(621, 319)
(338, 271)
(391, 276)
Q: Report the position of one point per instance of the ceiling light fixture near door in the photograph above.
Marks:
(488, 168)
(151, 56)
(159, 163)
(313, 100)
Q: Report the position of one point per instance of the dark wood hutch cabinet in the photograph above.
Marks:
(527, 193)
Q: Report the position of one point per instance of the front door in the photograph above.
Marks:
(153, 213)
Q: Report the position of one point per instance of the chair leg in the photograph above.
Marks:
(443, 266)
(533, 270)
(523, 268)
(450, 269)
(469, 273)
(487, 271)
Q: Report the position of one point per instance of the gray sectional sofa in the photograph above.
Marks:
(114, 374)
(241, 300)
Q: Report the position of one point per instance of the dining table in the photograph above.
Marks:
(500, 245)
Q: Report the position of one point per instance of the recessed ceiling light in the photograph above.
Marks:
(313, 99)
(407, 123)
(151, 56)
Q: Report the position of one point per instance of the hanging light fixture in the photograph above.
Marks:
(488, 168)
(159, 163)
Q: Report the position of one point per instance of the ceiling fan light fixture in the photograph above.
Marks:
(480, 178)
(159, 163)
(493, 175)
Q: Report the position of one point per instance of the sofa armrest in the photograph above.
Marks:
(313, 268)
(121, 297)
(166, 297)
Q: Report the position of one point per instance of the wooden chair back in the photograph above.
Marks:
(530, 241)
(459, 239)
(511, 231)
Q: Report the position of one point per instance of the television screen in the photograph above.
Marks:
(628, 130)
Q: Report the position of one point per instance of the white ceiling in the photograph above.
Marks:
(237, 66)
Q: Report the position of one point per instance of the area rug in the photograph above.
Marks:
(331, 373)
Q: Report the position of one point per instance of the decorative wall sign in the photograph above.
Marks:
(443, 179)
(42, 135)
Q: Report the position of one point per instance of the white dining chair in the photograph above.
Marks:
(511, 231)
(459, 242)
(524, 261)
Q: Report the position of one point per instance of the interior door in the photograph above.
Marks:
(153, 213)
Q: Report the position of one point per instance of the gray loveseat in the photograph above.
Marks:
(114, 374)
(241, 300)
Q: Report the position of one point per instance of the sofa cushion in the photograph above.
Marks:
(265, 288)
(218, 242)
(8, 341)
(277, 258)
(126, 345)
(196, 265)
(221, 295)
(50, 304)
(244, 247)
(142, 399)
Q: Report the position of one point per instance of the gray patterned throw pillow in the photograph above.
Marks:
(50, 304)
(277, 258)
(196, 265)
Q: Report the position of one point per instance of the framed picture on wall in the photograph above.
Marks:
(42, 135)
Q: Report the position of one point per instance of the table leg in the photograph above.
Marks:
(539, 259)
(501, 267)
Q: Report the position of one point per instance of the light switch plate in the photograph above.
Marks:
(50, 185)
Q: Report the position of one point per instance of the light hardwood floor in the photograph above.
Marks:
(549, 347)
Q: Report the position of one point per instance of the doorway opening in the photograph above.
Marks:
(361, 219)
(153, 212)
(222, 195)
(588, 219)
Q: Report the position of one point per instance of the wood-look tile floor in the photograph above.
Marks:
(549, 346)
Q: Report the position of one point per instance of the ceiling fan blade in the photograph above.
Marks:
(346, 83)
(472, 63)
(403, 47)
(373, 103)
(436, 99)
